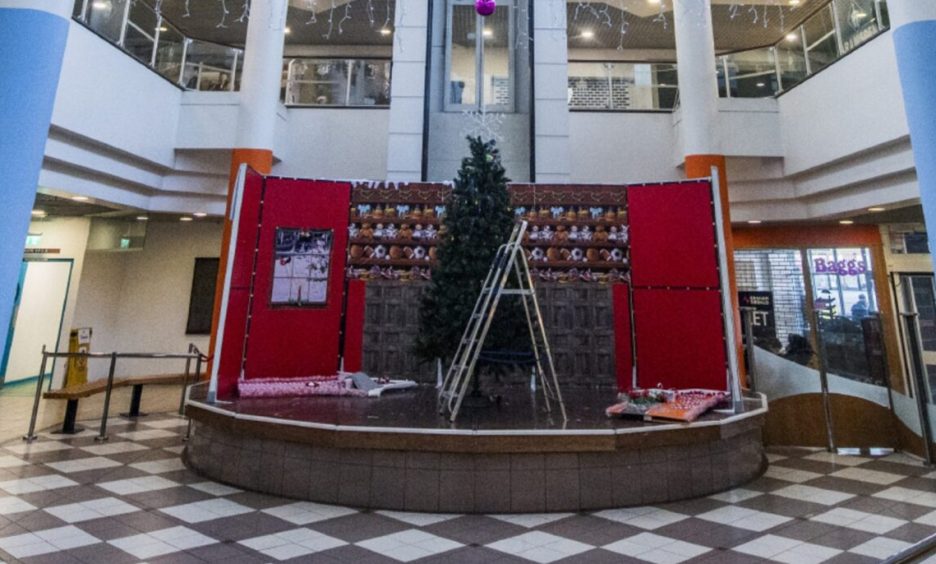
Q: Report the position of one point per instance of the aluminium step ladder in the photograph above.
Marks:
(509, 260)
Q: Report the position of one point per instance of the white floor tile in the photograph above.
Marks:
(94, 509)
(735, 496)
(657, 549)
(859, 520)
(531, 520)
(36, 484)
(175, 449)
(790, 474)
(305, 512)
(160, 466)
(648, 518)
(214, 488)
(137, 485)
(813, 495)
(906, 495)
(541, 547)
(165, 541)
(870, 476)
(744, 518)
(409, 545)
(114, 448)
(37, 447)
(419, 519)
(928, 519)
(903, 458)
(880, 547)
(806, 553)
(207, 510)
(83, 464)
(775, 457)
(292, 544)
(767, 546)
(46, 542)
(10, 505)
(836, 459)
(7, 461)
(147, 435)
(166, 423)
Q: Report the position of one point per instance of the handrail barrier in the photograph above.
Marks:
(915, 552)
(193, 355)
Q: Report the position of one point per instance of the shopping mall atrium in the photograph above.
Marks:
(260, 264)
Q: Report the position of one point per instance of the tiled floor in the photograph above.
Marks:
(69, 500)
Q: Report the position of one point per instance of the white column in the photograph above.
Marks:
(262, 74)
(551, 91)
(903, 12)
(407, 91)
(698, 86)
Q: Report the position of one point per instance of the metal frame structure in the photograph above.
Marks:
(509, 260)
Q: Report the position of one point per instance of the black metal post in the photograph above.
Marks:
(31, 434)
(107, 396)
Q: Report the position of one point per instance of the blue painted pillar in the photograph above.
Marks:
(32, 43)
(914, 25)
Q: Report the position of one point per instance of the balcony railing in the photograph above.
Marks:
(838, 28)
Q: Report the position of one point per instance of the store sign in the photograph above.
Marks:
(839, 268)
(764, 320)
(42, 251)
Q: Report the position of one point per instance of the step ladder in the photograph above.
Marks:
(510, 260)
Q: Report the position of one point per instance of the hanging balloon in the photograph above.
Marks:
(485, 7)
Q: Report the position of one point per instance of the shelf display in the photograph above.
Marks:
(675, 405)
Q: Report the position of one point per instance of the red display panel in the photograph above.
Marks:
(680, 341)
(298, 338)
(672, 235)
(354, 326)
(623, 346)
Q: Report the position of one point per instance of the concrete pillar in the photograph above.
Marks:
(914, 25)
(256, 116)
(698, 101)
(551, 91)
(32, 44)
(408, 91)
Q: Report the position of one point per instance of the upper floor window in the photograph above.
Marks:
(479, 59)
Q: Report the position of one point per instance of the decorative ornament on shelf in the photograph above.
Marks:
(485, 7)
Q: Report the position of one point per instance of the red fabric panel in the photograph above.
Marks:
(354, 326)
(672, 235)
(623, 349)
(287, 342)
(680, 340)
(232, 347)
(247, 230)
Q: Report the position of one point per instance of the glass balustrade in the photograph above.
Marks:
(622, 86)
(337, 82)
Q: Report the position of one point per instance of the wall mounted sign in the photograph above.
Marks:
(42, 251)
(301, 263)
(764, 322)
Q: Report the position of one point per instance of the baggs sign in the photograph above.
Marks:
(840, 268)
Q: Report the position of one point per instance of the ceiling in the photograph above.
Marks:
(738, 24)
(55, 206)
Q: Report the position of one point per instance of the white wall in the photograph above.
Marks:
(621, 147)
(335, 143)
(138, 301)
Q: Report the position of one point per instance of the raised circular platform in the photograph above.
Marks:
(398, 453)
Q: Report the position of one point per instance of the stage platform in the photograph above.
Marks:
(397, 452)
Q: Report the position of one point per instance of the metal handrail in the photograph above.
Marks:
(193, 354)
(914, 552)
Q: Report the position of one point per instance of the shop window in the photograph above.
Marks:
(201, 303)
(479, 59)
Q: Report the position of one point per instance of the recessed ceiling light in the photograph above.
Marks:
(587, 34)
(755, 221)
(200, 214)
(846, 222)
(287, 30)
(761, 84)
(142, 218)
(38, 213)
(876, 210)
(80, 198)
(794, 2)
(488, 32)
(99, 5)
(653, 1)
(385, 31)
(185, 218)
(163, 28)
(792, 37)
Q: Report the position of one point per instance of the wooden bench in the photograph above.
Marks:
(74, 393)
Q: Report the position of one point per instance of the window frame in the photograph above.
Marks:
(480, 103)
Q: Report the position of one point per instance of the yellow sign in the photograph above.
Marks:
(79, 341)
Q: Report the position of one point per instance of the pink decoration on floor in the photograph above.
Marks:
(297, 387)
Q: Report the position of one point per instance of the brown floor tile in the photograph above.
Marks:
(911, 532)
(360, 526)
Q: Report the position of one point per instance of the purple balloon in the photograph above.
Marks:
(485, 7)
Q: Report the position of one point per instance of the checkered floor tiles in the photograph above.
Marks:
(71, 500)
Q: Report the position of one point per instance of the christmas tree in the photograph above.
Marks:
(478, 220)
